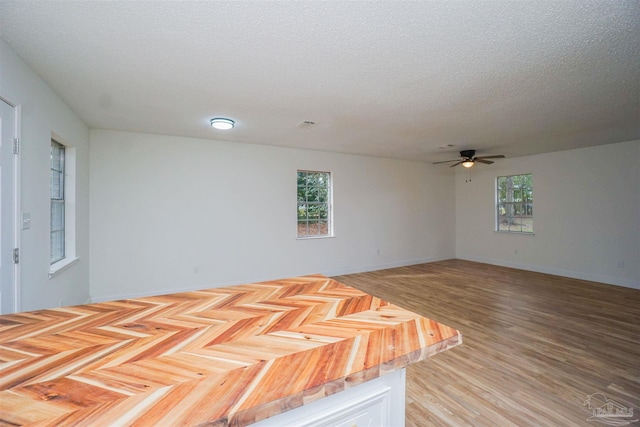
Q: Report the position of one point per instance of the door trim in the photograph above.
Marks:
(17, 131)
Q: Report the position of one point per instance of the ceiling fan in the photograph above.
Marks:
(469, 160)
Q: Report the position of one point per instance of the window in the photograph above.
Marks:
(62, 252)
(514, 206)
(314, 204)
(57, 203)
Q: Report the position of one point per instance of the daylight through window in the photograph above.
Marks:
(514, 207)
(314, 204)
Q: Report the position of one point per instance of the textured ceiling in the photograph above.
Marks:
(391, 79)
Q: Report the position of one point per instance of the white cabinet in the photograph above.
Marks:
(376, 403)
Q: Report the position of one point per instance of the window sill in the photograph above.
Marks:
(314, 237)
(62, 265)
(521, 233)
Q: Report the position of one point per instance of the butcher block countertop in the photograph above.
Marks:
(218, 357)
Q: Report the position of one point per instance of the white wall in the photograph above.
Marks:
(170, 213)
(586, 214)
(44, 113)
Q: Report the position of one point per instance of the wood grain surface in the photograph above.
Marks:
(536, 345)
(219, 357)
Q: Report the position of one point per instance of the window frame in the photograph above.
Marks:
(520, 208)
(57, 231)
(69, 201)
(327, 202)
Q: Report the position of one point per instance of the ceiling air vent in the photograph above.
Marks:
(306, 124)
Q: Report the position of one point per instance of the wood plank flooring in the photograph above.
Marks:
(535, 345)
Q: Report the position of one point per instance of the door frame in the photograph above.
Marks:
(17, 133)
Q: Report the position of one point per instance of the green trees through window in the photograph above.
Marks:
(514, 207)
(314, 204)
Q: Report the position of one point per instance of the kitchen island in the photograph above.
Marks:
(219, 357)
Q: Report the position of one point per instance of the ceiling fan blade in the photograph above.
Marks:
(498, 156)
(488, 162)
(455, 164)
(446, 161)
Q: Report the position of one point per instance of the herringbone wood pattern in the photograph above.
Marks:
(535, 345)
(224, 356)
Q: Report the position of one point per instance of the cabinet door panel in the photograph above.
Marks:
(376, 403)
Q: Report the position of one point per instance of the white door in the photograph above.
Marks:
(9, 295)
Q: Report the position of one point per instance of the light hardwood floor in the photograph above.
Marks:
(535, 346)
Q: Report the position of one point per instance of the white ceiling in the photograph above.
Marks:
(393, 79)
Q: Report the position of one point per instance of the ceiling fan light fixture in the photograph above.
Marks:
(468, 159)
(221, 123)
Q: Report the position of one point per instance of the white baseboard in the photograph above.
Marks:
(195, 287)
(609, 280)
(364, 269)
(634, 284)
(328, 273)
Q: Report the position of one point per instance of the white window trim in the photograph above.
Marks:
(328, 236)
(331, 234)
(70, 257)
(516, 233)
(61, 266)
(495, 206)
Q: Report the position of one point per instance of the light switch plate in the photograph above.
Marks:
(26, 220)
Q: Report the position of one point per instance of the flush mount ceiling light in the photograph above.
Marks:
(222, 123)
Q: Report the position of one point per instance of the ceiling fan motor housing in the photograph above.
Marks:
(467, 154)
